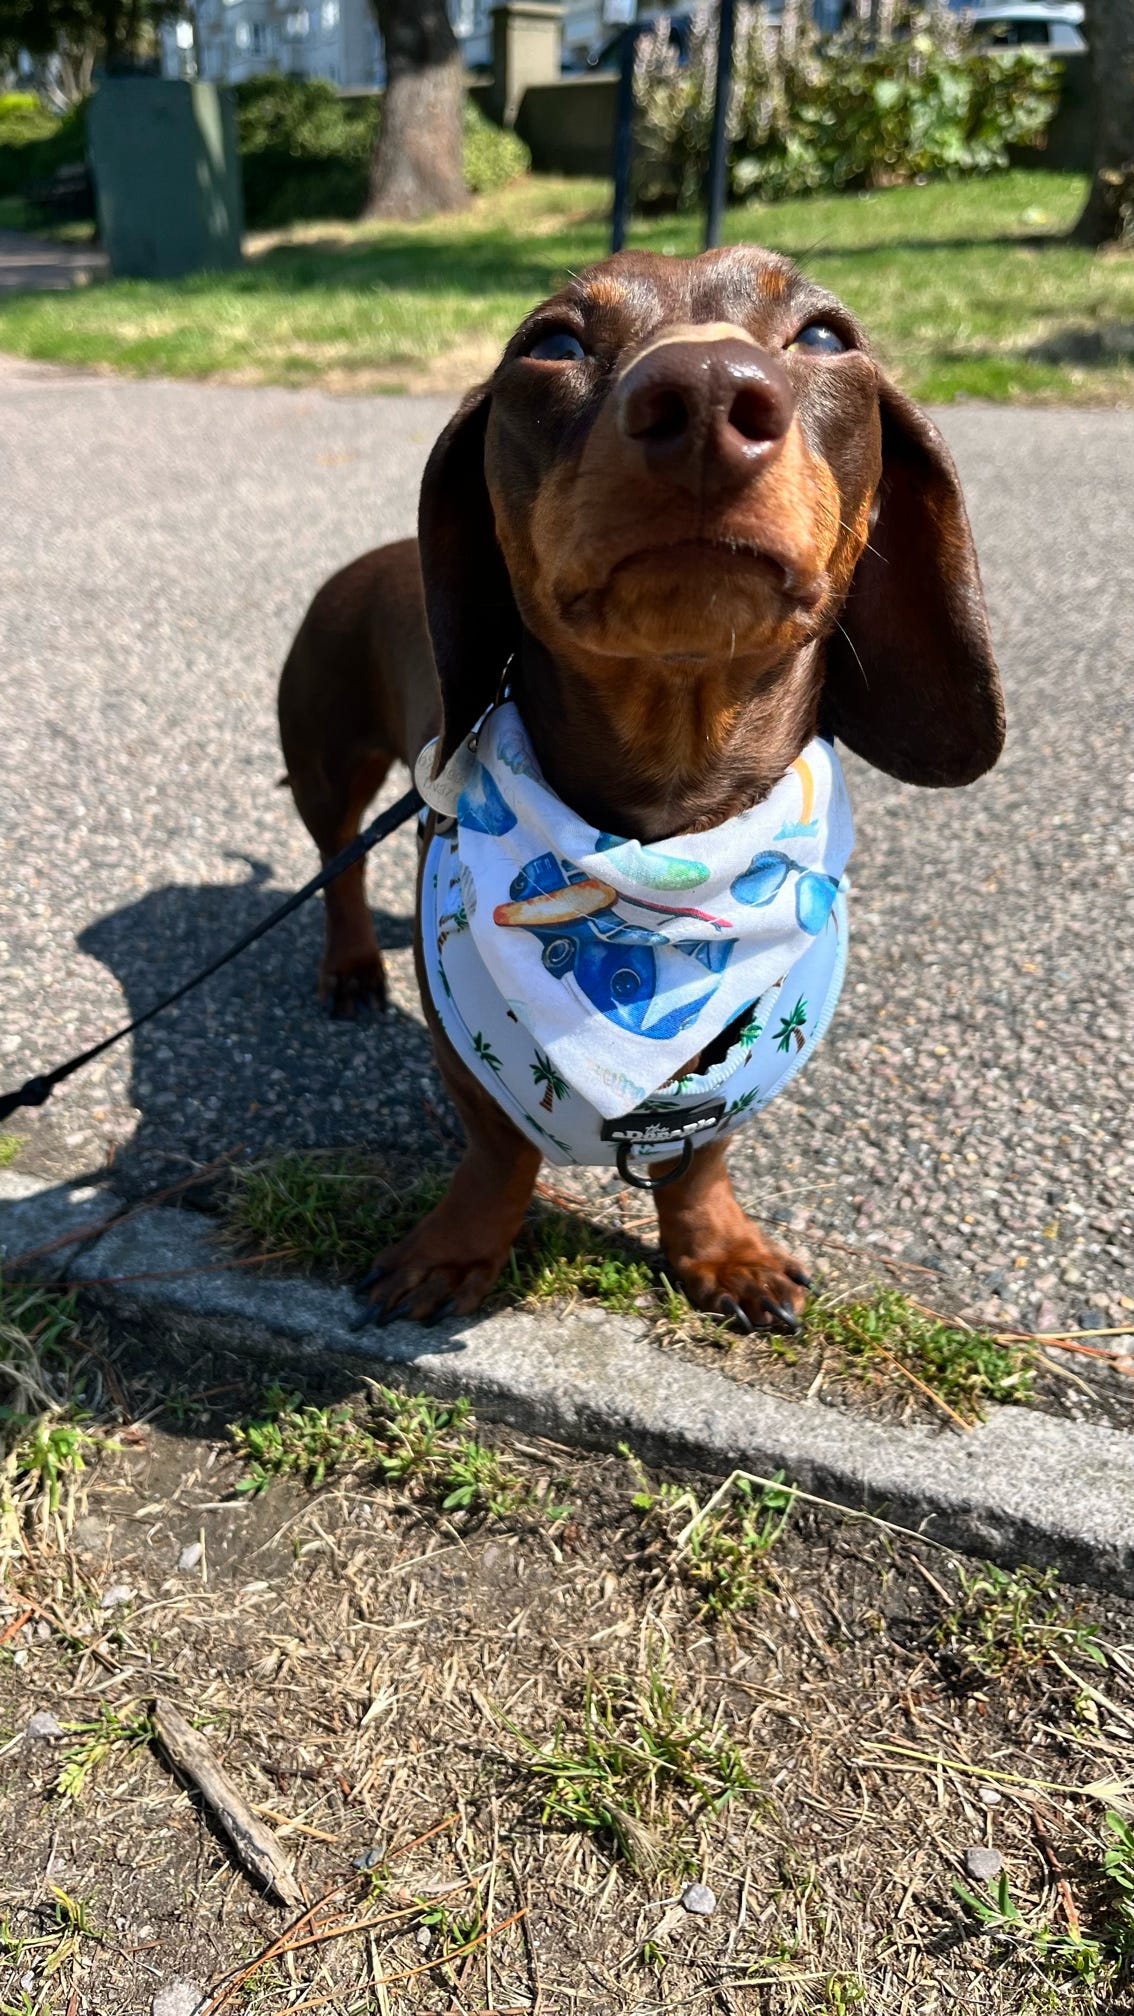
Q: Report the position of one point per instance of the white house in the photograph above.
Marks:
(337, 39)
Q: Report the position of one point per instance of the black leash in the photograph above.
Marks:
(38, 1091)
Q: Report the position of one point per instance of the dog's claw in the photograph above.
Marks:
(378, 1314)
(375, 1275)
(797, 1274)
(729, 1306)
(782, 1313)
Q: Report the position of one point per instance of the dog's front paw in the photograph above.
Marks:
(352, 982)
(434, 1272)
(747, 1278)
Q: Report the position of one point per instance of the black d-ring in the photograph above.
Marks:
(649, 1182)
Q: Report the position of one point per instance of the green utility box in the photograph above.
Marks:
(166, 167)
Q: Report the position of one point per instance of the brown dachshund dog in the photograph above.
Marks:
(697, 524)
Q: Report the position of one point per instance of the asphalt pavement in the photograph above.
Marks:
(970, 1109)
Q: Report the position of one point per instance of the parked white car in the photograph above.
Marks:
(1007, 25)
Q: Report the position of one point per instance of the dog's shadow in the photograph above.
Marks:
(251, 1060)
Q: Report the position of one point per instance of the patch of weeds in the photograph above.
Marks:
(46, 1439)
(416, 1442)
(562, 1256)
(10, 1145)
(720, 1547)
(71, 1925)
(422, 1442)
(559, 1256)
(94, 1742)
(1008, 1621)
(1101, 1954)
(331, 1212)
(841, 1993)
(887, 1336)
(453, 1930)
(296, 1441)
(639, 1771)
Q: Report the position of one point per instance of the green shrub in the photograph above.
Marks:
(857, 110)
(306, 152)
(492, 157)
(24, 119)
(35, 142)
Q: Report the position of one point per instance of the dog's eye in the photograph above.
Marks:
(556, 346)
(820, 339)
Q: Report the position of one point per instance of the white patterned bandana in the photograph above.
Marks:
(623, 961)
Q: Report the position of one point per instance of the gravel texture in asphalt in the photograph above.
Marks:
(970, 1106)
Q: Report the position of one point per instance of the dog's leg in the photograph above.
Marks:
(448, 1263)
(351, 975)
(722, 1259)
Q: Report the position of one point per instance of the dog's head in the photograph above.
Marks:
(684, 463)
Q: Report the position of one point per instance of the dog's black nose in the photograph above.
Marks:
(706, 413)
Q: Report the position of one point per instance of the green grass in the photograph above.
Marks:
(719, 1548)
(887, 1337)
(1101, 1953)
(1008, 1621)
(10, 1145)
(968, 288)
(17, 214)
(112, 1730)
(47, 1438)
(639, 1770)
(416, 1443)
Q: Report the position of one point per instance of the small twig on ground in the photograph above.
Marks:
(529, 1942)
(426, 1966)
(227, 1989)
(1061, 1336)
(873, 1345)
(172, 1273)
(254, 1844)
(117, 1218)
(908, 1758)
(1061, 1883)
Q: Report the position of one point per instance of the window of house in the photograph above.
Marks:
(330, 15)
(242, 35)
(297, 24)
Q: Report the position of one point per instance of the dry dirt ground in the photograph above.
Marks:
(499, 1715)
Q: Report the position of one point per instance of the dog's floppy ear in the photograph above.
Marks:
(911, 682)
(473, 621)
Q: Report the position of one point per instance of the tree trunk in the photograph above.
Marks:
(417, 160)
(1108, 216)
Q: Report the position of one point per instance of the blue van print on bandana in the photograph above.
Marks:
(621, 969)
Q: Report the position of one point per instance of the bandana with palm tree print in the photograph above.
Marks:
(621, 961)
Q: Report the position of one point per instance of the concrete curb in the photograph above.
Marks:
(1022, 1486)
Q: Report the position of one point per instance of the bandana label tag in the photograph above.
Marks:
(649, 1128)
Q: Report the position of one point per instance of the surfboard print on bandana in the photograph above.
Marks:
(624, 959)
(619, 964)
